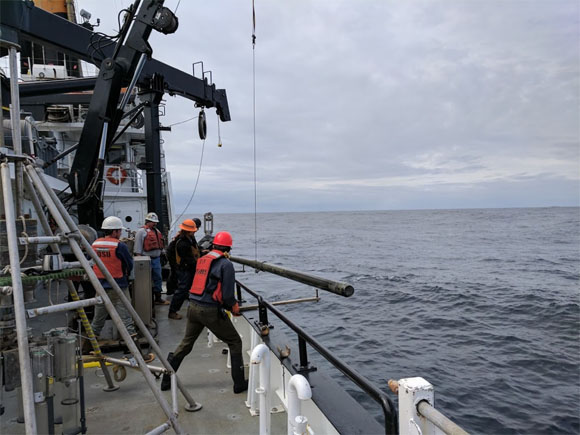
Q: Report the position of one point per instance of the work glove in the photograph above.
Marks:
(236, 310)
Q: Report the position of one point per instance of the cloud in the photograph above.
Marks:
(355, 99)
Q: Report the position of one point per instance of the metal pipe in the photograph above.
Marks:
(425, 409)
(174, 394)
(160, 429)
(286, 302)
(138, 71)
(261, 356)
(66, 224)
(64, 307)
(15, 122)
(71, 288)
(19, 312)
(41, 240)
(339, 288)
(103, 145)
(127, 363)
(38, 175)
(298, 390)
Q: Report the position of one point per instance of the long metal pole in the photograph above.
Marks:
(71, 288)
(15, 120)
(339, 288)
(67, 306)
(192, 404)
(19, 311)
(65, 222)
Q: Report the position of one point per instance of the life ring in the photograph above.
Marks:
(114, 178)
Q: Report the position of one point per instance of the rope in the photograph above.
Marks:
(194, 188)
(31, 279)
(254, 120)
(23, 233)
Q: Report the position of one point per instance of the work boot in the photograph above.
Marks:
(86, 347)
(174, 316)
(238, 376)
(159, 300)
(174, 363)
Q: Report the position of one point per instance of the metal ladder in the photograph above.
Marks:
(38, 188)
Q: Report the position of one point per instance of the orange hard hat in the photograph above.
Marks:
(223, 238)
(188, 225)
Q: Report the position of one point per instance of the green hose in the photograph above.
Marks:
(31, 279)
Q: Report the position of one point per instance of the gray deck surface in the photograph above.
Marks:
(133, 409)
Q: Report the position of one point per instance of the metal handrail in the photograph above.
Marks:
(389, 410)
(425, 409)
(336, 287)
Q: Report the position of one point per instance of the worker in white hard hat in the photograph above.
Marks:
(149, 242)
(118, 261)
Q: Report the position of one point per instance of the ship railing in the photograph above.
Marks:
(304, 338)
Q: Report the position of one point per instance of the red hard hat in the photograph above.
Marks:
(223, 238)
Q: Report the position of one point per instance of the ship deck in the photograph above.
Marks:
(133, 408)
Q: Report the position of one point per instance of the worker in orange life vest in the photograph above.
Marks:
(118, 261)
(212, 291)
(149, 242)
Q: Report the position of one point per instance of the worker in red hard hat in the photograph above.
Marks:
(212, 291)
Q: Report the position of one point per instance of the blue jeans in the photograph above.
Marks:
(184, 280)
(156, 276)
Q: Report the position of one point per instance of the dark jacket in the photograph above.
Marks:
(187, 252)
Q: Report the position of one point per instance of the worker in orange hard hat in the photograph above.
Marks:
(212, 291)
(185, 253)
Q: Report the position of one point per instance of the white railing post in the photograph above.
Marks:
(298, 389)
(252, 399)
(261, 357)
(411, 392)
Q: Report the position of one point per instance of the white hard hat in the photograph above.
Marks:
(112, 223)
(152, 217)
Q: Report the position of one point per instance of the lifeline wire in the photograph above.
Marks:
(254, 109)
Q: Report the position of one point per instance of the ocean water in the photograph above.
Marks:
(484, 304)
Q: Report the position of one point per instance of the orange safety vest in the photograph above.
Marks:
(153, 240)
(105, 248)
(202, 273)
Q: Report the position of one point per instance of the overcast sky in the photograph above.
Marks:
(368, 104)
